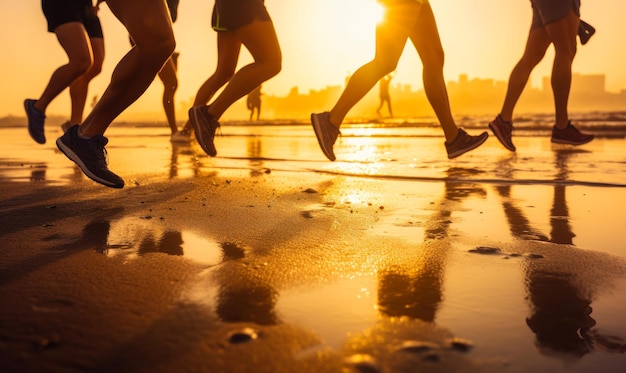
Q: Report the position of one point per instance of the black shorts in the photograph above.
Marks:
(546, 11)
(60, 12)
(230, 15)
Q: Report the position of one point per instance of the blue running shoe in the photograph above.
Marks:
(36, 121)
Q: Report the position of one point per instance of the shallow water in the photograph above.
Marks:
(549, 299)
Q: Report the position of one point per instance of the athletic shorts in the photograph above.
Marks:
(60, 12)
(546, 11)
(172, 5)
(230, 15)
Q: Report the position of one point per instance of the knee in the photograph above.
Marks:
(434, 59)
(384, 67)
(157, 48)
(567, 52)
(274, 68)
(173, 86)
(81, 65)
(165, 47)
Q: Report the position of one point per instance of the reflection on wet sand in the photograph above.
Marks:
(189, 160)
(417, 291)
(559, 300)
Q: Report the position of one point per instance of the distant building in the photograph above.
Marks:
(582, 84)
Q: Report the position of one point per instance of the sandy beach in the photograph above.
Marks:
(268, 258)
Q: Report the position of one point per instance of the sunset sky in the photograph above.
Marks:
(322, 41)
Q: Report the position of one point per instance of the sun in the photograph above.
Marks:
(348, 23)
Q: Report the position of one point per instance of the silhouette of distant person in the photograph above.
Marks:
(237, 23)
(78, 30)
(404, 19)
(149, 25)
(554, 22)
(383, 94)
(253, 102)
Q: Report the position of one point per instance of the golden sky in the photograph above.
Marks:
(322, 40)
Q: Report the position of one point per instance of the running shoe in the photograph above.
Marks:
(181, 137)
(503, 131)
(585, 32)
(464, 142)
(325, 132)
(570, 135)
(90, 155)
(204, 125)
(36, 121)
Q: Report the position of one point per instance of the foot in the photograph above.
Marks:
(463, 143)
(90, 155)
(204, 125)
(570, 135)
(66, 126)
(180, 137)
(36, 121)
(503, 131)
(325, 132)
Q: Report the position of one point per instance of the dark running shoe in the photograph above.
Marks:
(463, 143)
(585, 32)
(204, 126)
(325, 132)
(36, 121)
(90, 155)
(503, 131)
(570, 135)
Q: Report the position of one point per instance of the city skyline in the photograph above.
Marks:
(468, 96)
(483, 38)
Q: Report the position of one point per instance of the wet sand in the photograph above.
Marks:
(200, 265)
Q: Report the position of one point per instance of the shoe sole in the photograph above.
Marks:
(76, 159)
(500, 137)
(317, 128)
(474, 146)
(565, 142)
(195, 123)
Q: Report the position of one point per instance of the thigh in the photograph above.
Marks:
(425, 36)
(259, 37)
(74, 39)
(394, 30)
(228, 48)
(147, 21)
(562, 33)
(97, 48)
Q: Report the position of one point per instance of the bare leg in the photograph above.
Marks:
(148, 23)
(228, 48)
(535, 50)
(425, 38)
(80, 87)
(259, 37)
(391, 37)
(170, 85)
(563, 34)
(74, 40)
